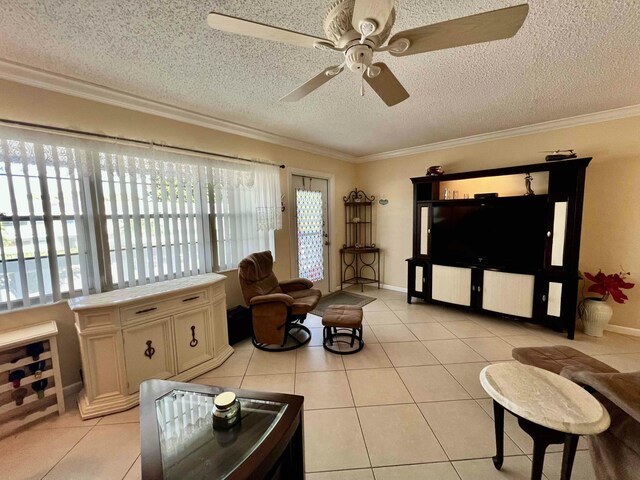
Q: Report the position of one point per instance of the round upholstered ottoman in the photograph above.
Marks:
(342, 324)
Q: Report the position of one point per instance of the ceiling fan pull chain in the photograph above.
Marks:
(362, 85)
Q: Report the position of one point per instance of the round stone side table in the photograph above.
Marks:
(550, 408)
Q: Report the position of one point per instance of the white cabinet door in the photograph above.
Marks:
(559, 233)
(419, 279)
(148, 352)
(508, 293)
(554, 299)
(193, 338)
(424, 230)
(451, 284)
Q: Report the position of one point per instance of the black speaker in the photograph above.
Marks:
(239, 324)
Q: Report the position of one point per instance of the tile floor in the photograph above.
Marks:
(408, 406)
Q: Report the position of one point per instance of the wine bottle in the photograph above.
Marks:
(15, 377)
(35, 349)
(39, 387)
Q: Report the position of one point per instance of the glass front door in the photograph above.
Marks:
(312, 236)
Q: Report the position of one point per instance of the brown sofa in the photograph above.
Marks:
(277, 308)
(615, 453)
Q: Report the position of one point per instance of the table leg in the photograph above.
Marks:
(542, 437)
(568, 455)
(498, 416)
(539, 449)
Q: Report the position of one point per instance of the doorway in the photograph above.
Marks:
(311, 229)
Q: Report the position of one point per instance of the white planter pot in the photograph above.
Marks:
(597, 315)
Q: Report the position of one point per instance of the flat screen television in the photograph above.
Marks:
(500, 233)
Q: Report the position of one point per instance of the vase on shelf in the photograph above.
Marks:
(597, 315)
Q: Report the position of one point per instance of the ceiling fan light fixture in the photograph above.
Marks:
(358, 58)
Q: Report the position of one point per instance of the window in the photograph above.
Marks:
(78, 216)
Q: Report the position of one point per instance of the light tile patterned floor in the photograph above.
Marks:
(408, 406)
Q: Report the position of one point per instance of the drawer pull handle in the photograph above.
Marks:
(194, 340)
(146, 310)
(150, 351)
(191, 298)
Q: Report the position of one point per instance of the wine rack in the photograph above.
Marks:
(30, 383)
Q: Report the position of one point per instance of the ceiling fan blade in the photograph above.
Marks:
(387, 86)
(484, 27)
(378, 10)
(260, 30)
(316, 82)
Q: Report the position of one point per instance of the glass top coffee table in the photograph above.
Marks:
(178, 440)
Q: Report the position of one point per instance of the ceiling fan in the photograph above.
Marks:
(359, 28)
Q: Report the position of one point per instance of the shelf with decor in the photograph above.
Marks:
(359, 255)
(31, 386)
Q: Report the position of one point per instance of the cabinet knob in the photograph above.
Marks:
(473, 288)
(549, 234)
(429, 231)
(544, 298)
(478, 287)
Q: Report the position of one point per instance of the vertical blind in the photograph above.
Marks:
(80, 216)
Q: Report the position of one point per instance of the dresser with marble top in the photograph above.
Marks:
(174, 330)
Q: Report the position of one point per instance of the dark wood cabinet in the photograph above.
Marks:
(541, 288)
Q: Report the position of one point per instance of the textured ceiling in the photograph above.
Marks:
(569, 58)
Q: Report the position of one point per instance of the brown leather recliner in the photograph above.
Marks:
(277, 308)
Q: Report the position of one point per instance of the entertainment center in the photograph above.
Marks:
(514, 255)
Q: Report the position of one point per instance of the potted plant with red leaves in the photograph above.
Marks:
(596, 312)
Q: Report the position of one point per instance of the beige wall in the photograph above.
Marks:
(28, 104)
(611, 220)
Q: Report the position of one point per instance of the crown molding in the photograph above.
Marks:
(597, 117)
(35, 77)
